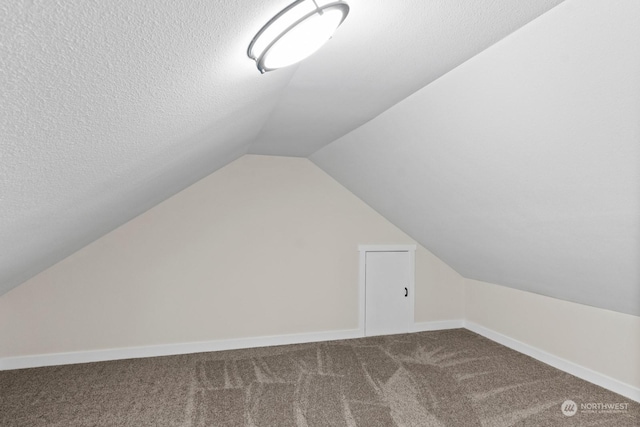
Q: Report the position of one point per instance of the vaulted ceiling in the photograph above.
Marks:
(111, 107)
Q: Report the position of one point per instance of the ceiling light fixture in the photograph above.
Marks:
(296, 32)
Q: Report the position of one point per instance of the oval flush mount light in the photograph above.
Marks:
(296, 32)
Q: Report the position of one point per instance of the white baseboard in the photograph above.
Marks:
(586, 374)
(574, 369)
(437, 325)
(52, 359)
(170, 349)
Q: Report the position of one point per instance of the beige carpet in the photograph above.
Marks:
(444, 378)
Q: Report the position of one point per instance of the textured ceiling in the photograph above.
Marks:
(109, 107)
(521, 167)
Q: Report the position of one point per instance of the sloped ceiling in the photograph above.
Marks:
(109, 107)
(521, 167)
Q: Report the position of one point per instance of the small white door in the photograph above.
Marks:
(388, 279)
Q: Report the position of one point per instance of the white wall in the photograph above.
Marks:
(264, 246)
(268, 246)
(600, 340)
(522, 165)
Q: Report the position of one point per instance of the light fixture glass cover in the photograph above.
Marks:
(296, 32)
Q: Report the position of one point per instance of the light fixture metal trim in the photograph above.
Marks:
(260, 57)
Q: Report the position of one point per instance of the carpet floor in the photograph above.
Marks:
(441, 378)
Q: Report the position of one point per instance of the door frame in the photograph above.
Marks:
(363, 249)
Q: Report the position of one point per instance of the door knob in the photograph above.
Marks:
(406, 292)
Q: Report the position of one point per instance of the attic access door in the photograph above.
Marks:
(388, 290)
